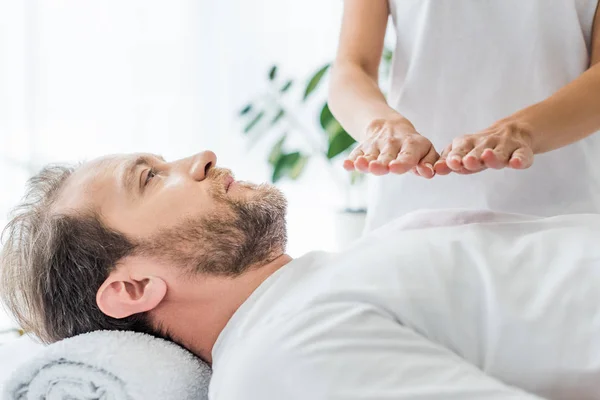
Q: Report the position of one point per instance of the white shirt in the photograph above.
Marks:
(483, 310)
(461, 65)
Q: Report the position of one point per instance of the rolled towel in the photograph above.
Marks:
(111, 365)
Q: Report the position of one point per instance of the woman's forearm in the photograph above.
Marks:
(569, 115)
(356, 100)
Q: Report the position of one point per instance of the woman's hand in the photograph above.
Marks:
(393, 146)
(503, 145)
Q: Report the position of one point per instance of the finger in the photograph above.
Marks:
(425, 166)
(473, 160)
(414, 171)
(440, 167)
(389, 152)
(460, 148)
(521, 158)
(498, 158)
(354, 154)
(493, 159)
(348, 165)
(386, 156)
(380, 165)
(426, 170)
(431, 157)
(464, 171)
(362, 162)
(461, 170)
(404, 162)
(413, 150)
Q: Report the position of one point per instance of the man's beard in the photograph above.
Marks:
(245, 232)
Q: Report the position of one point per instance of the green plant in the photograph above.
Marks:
(274, 112)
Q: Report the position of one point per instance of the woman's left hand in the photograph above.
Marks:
(503, 145)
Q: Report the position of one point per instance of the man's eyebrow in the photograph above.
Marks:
(130, 177)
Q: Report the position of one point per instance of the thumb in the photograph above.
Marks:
(440, 167)
(521, 158)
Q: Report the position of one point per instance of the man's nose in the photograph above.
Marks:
(201, 163)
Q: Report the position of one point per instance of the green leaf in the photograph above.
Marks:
(276, 152)
(327, 120)
(246, 109)
(287, 86)
(254, 121)
(278, 169)
(339, 143)
(273, 72)
(283, 165)
(298, 167)
(290, 165)
(339, 139)
(313, 83)
(278, 116)
(329, 123)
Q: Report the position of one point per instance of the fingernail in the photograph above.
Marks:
(455, 158)
(428, 165)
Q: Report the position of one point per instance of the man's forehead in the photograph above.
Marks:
(116, 160)
(93, 181)
(92, 171)
(106, 167)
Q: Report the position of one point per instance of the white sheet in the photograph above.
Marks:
(474, 311)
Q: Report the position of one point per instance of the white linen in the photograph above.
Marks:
(480, 310)
(461, 65)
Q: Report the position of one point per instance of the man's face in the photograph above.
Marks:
(187, 212)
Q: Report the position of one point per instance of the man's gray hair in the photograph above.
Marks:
(52, 264)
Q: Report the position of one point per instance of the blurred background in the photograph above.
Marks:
(246, 79)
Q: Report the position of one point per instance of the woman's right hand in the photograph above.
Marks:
(393, 146)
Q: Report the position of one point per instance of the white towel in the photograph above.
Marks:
(111, 365)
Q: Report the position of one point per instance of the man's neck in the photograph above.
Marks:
(197, 311)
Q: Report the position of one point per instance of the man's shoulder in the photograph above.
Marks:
(301, 346)
(245, 365)
(288, 336)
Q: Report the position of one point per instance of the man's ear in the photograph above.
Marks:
(125, 293)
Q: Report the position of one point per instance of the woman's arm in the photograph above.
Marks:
(387, 141)
(569, 115)
(354, 96)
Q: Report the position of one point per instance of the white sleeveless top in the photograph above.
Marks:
(461, 65)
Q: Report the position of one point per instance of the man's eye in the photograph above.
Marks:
(151, 174)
